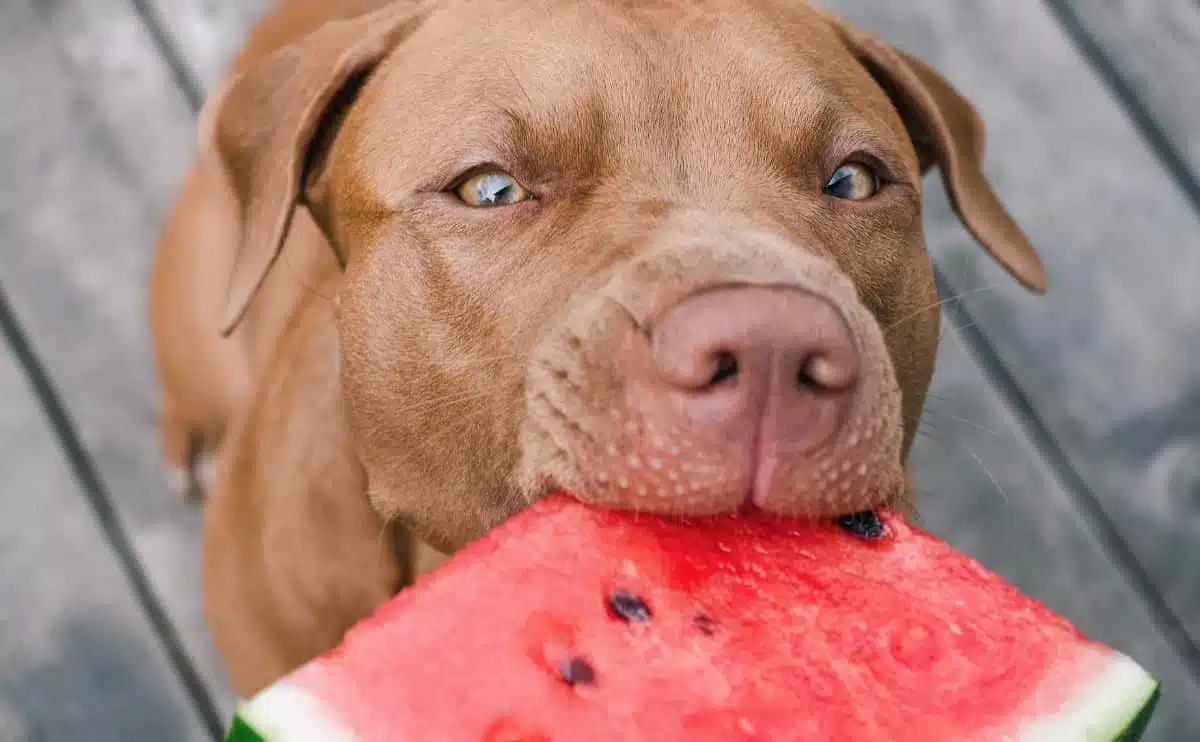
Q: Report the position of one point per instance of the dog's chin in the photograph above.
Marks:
(810, 492)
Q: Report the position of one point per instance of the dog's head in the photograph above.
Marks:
(666, 254)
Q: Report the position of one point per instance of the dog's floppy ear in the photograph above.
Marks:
(265, 125)
(948, 132)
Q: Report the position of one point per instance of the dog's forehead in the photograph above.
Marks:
(643, 78)
(545, 40)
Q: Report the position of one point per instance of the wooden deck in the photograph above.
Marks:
(1062, 444)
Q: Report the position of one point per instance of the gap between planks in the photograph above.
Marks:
(1058, 463)
(1092, 52)
(187, 82)
(1172, 161)
(80, 461)
(101, 503)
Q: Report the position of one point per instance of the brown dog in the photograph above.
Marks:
(666, 254)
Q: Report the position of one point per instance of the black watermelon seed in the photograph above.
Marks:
(627, 606)
(704, 624)
(577, 671)
(865, 524)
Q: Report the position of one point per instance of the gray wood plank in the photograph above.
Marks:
(1110, 361)
(1154, 47)
(985, 489)
(207, 33)
(78, 660)
(95, 137)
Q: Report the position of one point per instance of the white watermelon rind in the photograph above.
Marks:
(284, 712)
(1113, 708)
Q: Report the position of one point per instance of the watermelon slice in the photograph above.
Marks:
(569, 623)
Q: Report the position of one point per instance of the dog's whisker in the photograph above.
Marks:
(516, 79)
(928, 428)
(965, 326)
(964, 420)
(438, 404)
(942, 302)
(385, 525)
(995, 482)
(924, 425)
(457, 430)
(474, 358)
(308, 288)
(447, 401)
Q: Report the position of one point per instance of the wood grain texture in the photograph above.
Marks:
(1154, 47)
(78, 659)
(1109, 362)
(95, 138)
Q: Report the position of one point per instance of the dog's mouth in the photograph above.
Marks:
(705, 474)
(864, 523)
(637, 452)
(726, 370)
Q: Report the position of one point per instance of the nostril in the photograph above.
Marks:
(804, 377)
(823, 373)
(727, 368)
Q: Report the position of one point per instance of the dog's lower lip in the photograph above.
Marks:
(750, 504)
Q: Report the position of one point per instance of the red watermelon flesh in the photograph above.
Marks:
(576, 624)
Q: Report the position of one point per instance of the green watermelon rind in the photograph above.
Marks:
(241, 731)
(1114, 708)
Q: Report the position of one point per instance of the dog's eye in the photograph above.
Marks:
(491, 188)
(853, 181)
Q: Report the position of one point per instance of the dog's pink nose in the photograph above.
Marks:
(732, 345)
(772, 368)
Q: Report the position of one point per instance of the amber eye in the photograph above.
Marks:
(853, 181)
(491, 188)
